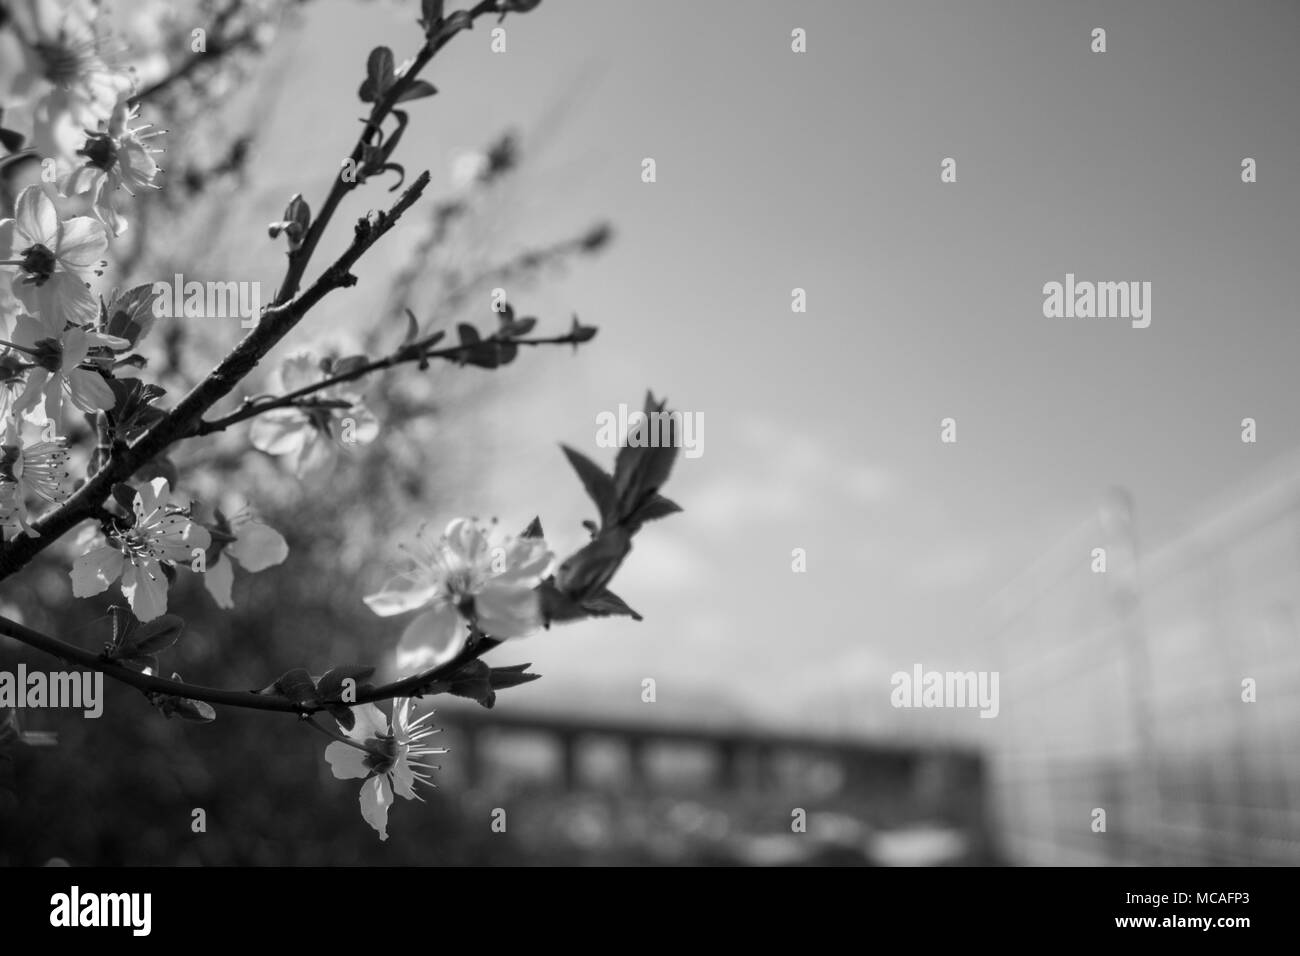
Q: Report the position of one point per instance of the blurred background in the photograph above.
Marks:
(775, 171)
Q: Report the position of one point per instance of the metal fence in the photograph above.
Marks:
(1124, 692)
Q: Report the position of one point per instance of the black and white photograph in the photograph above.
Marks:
(599, 433)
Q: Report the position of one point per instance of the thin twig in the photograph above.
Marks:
(409, 353)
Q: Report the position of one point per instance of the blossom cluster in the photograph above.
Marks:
(68, 100)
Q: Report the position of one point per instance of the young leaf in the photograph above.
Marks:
(656, 506)
(130, 315)
(418, 90)
(124, 495)
(581, 333)
(330, 686)
(512, 676)
(347, 365)
(11, 140)
(430, 14)
(473, 680)
(379, 75)
(133, 412)
(598, 484)
(605, 602)
(295, 685)
(589, 569)
(412, 328)
(185, 708)
(158, 635)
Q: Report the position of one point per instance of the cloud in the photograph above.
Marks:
(783, 474)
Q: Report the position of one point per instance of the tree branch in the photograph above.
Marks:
(185, 418)
(300, 256)
(249, 700)
(408, 353)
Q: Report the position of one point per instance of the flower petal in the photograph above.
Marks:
(346, 762)
(60, 299)
(409, 592)
(279, 432)
(403, 778)
(145, 588)
(95, 570)
(432, 639)
(149, 498)
(83, 245)
(507, 610)
(89, 391)
(33, 392)
(315, 456)
(298, 371)
(35, 218)
(258, 547)
(376, 798)
(219, 579)
(466, 541)
(370, 722)
(525, 558)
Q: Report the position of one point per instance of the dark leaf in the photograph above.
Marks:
(133, 412)
(379, 75)
(430, 14)
(534, 529)
(512, 676)
(351, 363)
(598, 484)
(11, 140)
(473, 680)
(124, 495)
(412, 328)
(131, 314)
(123, 622)
(581, 333)
(418, 90)
(159, 467)
(590, 568)
(505, 352)
(517, 328)
(459, 20)
(656, 506)
(605, 603)
(295, 685)
(343, 714)
(185, 708)
(157, 635)
(641, 469)
(330, 686)
(557, 606)
(298, 211)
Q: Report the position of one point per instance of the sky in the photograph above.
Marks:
(821, 170)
